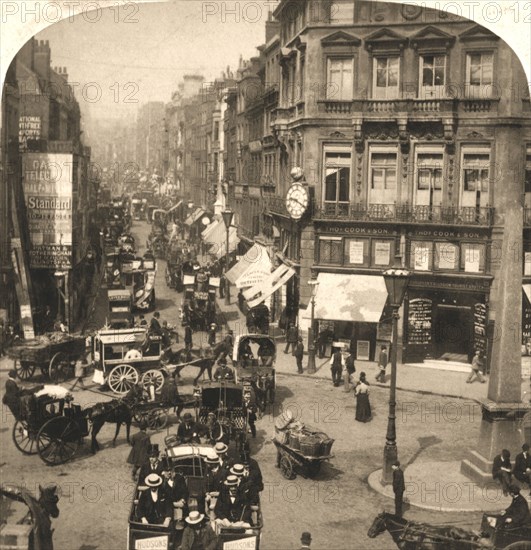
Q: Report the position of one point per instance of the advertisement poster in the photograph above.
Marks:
(422, 257)
(355, 252)
(29, 127)
(382, 253)
(47, 181)
(447, 256)
(472, 257)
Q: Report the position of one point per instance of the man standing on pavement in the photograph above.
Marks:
(476, 368)
(298, 353)
(337, 364)
(383, 359)
(398, 487)
(292, 336)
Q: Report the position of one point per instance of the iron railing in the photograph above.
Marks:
(406, 213)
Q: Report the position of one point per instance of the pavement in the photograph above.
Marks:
(409, 378)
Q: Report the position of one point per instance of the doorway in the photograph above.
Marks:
(452, 333)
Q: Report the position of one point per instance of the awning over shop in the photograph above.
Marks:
(358, 298)
(192, 218)
(527, 290)
(220, 250)
(252, 269)
(261, 292)
(217, 233)
(209, 228)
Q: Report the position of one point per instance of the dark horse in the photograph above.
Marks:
(39, 512)
(116, 412)
(410, 535)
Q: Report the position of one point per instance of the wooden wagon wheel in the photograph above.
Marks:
(157, 419)
(152, 376)
(58, 440)
(122, 378)
(25, 369)
(286, 467)
(24, 438)
(520, 545)
(58, 366)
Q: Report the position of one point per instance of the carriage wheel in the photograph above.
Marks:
(157, 419)
(57, 370)
(286, 467)
(521, 545)
(24, 439)
(25, 369)
(122, 378)
(154, 377)
(58, 440)
(314, 468)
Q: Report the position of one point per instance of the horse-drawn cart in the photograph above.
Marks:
(292, 461)
(49, 424)
(54, 356)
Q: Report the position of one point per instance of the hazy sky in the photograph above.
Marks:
(131, 56)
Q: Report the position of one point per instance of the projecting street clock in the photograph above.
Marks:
(297, 200)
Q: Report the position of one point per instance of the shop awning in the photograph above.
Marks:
(192, 218)
(527, 290)
(219, 250)
(217, 233)
(261, 292)
(209, 228)
(358, 298)
(252, 269)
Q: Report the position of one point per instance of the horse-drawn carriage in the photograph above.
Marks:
(190, 462)
(54, 355)
(33, 531)
(411, 535)
(49, 424)
(254, 357)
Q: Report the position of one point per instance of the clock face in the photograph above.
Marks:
(297, 200)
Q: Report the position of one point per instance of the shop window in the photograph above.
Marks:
(446, 256)
(432, 76)
(383, 174)
(385, 78)
(475, 174)
(337, 181)
(331, 250)
(357, 252)
(421, 255)
(480, 73)
(382, 253)
(340, 79)
(473, 258)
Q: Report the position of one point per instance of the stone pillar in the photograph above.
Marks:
(503, 408)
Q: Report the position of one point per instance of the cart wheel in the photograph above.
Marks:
(25, 369)
(122, 378)
(521, 545)
(154, 377)
(58, 440)
(286, 467)
(314, 468)
(140, 417)
(57, 370)
(157, 419)
(24, 439)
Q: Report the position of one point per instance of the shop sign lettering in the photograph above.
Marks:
(447, 234)
(153, 543)
(357, 230)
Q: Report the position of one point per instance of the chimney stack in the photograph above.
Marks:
(41, 59)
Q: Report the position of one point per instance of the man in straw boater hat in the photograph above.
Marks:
(198, 533)
(224, 462)
(154, 506)
(232, 505)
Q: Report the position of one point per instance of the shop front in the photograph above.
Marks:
(446, 319)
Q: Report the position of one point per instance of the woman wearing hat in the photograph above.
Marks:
(154, 507)
(363, 406)
(198, 534)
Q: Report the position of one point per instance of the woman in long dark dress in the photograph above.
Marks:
(363, 406)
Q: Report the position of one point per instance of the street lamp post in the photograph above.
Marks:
(227, 220)
(314, 283)
(396, 281)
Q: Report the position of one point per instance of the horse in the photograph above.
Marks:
(39, 512)
(410, 535)
(116, 412)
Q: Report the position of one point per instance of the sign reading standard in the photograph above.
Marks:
(48, 195)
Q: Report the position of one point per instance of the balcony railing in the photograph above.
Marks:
(406, 213)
